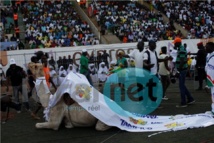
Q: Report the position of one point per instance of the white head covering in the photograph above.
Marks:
(69, 70)
(102, 72)
(90, 66)
(84, 50)
(102, 69)
(12, 61)
(51, 67)
(113, 62)
(62, 72)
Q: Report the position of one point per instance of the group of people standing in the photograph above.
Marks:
(142, 58)
(160, 66)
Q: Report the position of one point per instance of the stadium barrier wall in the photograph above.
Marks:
(22, 57)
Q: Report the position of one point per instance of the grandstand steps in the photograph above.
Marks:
(21, 27)
(165, 19)
(111, 39)
(108, 38)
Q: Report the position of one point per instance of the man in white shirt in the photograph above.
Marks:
(187, 48)
(150, 59)
(137, 55)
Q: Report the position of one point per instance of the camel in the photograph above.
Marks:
(60, 112)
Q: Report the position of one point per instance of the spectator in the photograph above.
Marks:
(84, 66)
(13, 38)
(65, 62)
(59, 62)
(69, 60)
(164, 72)
(181, 65)
(137, 54)
(16, 75)
(150, 59)
(105, 57)
(94, 72)
(200, 64)
(52, 62)
(102, 73)
(99, 58)
(20, 44)
(122, 64)
(62, 74)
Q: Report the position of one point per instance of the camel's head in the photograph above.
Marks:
(36, 69)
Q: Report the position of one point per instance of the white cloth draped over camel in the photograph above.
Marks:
(110, 113)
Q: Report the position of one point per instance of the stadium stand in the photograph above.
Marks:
(195, 16)
(55, 24)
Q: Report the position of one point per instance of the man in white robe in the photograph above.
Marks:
(210, 71)
(93, 74)
(102, 72)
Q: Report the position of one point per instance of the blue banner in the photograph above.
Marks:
(4, 45)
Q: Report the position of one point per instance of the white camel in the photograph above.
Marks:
(78, 117)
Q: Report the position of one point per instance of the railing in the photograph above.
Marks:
(86, 18)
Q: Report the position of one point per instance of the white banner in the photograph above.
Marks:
(98, 105)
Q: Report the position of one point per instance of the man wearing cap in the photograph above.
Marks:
(181, 65)
(84, 66)
(16, 75)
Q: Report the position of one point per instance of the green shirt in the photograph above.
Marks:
(122, 61)
(182, 54)
(83, 64)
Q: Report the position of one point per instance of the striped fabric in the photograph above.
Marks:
(182, 54)
(210, 70)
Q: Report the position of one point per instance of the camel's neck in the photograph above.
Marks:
(41, 85)
(42, 90)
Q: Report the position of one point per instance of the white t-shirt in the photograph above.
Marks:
(188, 50)
(138, 57)
(153, 60)
(173, 53)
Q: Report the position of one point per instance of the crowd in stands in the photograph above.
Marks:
(55, 24)
(132, 22)
(6, 25)
(195, 16)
